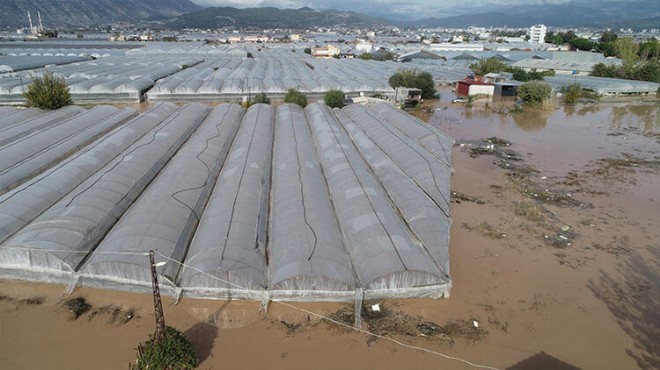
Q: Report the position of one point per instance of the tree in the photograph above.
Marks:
(295, 97)
(47, 92)
(174, 352)
(608, 36)
(334, 98)
(626, 48)
(261, 98)
(603, 70)
(413, 78)
(365, 56)
(582, 44)
(489, 65)
(534, 92)
(649, 49)
(307, 50)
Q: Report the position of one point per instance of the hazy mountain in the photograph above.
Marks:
(641, 13)
(271, 18)
(59, 13)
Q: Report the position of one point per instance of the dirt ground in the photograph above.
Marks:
(554, 254)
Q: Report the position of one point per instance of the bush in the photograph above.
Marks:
(415, 79)
(47, 92)
(334, 98)
(296, 97)
(261, 98)
(572, 93)
(534, 92)
(173, 353)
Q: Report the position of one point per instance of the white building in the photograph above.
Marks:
(537, 33)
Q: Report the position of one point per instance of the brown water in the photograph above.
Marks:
(592, 304)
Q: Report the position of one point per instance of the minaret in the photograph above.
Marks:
(41, 26)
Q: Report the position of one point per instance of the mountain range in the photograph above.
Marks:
(175, 14)
(68, 13)
(261, 18)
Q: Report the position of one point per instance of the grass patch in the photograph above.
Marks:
(487, 230)
(115, 314)
(466, 330)
(32, 301)
(529, 210)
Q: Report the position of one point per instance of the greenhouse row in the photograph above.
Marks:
(281, 203)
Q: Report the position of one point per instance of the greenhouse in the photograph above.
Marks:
(267, 203)
(604, 86)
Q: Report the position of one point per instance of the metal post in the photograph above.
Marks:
(159, 335)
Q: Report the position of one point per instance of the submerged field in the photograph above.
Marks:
(553, 252)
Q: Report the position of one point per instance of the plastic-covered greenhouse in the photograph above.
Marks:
(267, 203)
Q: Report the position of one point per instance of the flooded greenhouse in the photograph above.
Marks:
(281, 203)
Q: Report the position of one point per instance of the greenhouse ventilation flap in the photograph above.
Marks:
(286, 203)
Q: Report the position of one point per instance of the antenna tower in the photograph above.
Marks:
(159, 335)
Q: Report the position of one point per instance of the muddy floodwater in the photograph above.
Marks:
(555, 251)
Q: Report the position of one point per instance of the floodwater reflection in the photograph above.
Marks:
(532, 119)
(640, 116)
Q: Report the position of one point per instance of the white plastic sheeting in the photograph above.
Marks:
(35, 196)
(228, 250)
(604, 86)
(302, 215)
(28, 155)
(124, 78)
(282, 204)
(63, 236)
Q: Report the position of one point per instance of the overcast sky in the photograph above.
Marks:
(407, 9)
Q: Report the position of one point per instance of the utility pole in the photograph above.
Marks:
(159, 335)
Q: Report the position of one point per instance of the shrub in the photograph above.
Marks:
(334, 98)
(572, 93)
(261, 98)
(296, 97)
(174, 353)
(47, 92)
(534, 92)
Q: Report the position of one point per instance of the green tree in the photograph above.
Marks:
(489, 65)
(334, 98)
(534, 92)
(650, 49)
(626, 48)
(175, 352)
(415, 79)
(603, 70)
(582, 44)
(47, 92)
(261, 98)
(307, 50)
(608, 36)
(649, 71)
(296, 97)
(365, 56)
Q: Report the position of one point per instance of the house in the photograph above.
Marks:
(328, 51)
(474, 85)
(410, 96)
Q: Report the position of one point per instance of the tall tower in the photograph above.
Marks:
(159, 335)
